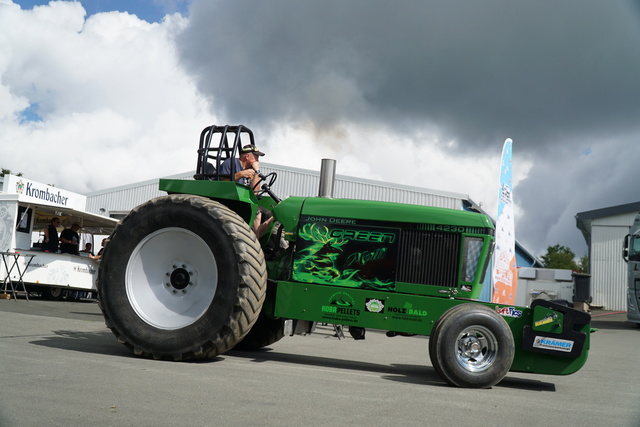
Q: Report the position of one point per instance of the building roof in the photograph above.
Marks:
(612, 210)
(189, 175)
(584, 219)
(292, 182)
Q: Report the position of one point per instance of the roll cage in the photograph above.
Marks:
(217, 144)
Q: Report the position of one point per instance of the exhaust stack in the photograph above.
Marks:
(327, 178)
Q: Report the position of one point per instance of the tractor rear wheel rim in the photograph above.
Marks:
(171, 278)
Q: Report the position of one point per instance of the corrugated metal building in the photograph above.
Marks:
(118, 201)
(604, 230)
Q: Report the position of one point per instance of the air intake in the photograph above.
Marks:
(429, 258)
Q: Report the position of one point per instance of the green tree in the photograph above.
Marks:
(583, 265)
(563, 258)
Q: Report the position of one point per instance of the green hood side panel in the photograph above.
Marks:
(367, 244)
(386, 211)
(287, 212)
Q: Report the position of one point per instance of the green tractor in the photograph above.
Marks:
(185, 277)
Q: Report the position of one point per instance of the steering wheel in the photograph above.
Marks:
(268, 180)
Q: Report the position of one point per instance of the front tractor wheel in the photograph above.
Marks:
(183, 278)
(471, 346)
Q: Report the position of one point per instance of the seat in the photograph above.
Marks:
(209, 173)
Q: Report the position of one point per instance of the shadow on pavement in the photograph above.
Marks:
(411, 374)
(525, 384)
(88, 342)
(103, 342)
(406, 373)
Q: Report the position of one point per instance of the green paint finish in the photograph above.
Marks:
(547, 320)
(212, 189)
(236, 197)
(287, 212)
(366, 308)
(380, 255)
(539, 363)
(363, 210)
(343, 275)
(414, 314)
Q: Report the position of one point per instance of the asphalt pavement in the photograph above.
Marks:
(61, 366)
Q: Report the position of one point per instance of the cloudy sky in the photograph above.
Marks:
(100, 93)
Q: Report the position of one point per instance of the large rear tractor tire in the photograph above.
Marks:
(182, 278)
(265, 332)
(471, 346)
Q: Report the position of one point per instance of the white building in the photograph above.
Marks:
(604, 230)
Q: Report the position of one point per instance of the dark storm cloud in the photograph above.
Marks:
(538, 70)
(564, 183)
(560, 78)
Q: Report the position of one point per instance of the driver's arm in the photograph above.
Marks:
(255, 179)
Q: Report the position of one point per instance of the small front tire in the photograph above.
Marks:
(471, 346)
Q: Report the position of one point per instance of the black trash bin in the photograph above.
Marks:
(582, 287)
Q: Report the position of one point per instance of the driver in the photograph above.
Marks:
(247, 166)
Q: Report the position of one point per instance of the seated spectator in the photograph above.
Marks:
(99, 256)
(87, 249)
(69, 240)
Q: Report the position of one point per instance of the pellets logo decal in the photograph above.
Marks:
(374, 305)
(341, 307)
